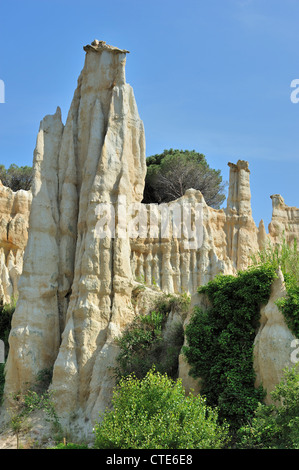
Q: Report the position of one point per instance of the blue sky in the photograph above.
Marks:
(209, 75)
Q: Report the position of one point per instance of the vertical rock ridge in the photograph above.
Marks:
(35, 336)
(75, 292)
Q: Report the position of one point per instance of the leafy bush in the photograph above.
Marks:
(289, 306)
(154, 413)
(143, 343)
(220, 342)
(276, 426)
(16, 177)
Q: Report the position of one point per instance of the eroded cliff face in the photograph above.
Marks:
(14, 217)
(284, 222)
(79, 272)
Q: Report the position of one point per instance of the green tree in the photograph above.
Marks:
(171, 173)
(155, 413)
(16, 177)
(276, 426)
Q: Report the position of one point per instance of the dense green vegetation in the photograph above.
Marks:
(172, 172)
(154, 413)
(70, 445)
(275, 426)
(16, 177)
(220, 342)
(143, 343)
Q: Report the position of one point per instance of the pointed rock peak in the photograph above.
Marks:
(99, 46)
(58, 112)
(240, 165)
(278, 288)
(261, 225)
(262, 235)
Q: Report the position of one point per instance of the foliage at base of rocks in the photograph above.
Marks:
(36, 398)
(70, 445)
(144, 344)
(220, 342)
(275, 426)
(155, 413)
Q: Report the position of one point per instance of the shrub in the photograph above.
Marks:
(143, 343)
(276, 426)
(220, 342)
(154, 413)
(289, 306)
(16, 177)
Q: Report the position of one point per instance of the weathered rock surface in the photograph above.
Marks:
(284, 222)
(77, 290)
(275, 347)
(221, 242)
(14, 217)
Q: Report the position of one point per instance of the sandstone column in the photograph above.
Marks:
(242, 233)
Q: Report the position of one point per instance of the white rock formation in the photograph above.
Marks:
(76, 292)
(14, 215)
(273, 345)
